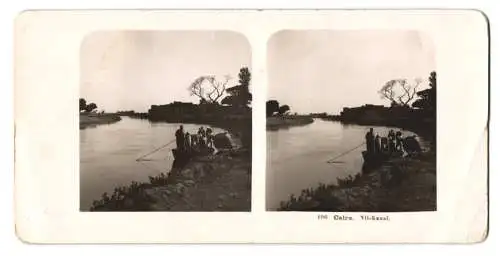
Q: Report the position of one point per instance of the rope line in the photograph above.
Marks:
(331, 160)
(162, 147)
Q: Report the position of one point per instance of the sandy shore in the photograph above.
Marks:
(401, 184)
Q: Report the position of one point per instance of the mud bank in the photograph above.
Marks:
(401, 184)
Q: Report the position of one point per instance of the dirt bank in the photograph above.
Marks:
(401, 184)
(212, 183)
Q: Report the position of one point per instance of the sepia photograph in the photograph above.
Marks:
(165, 121)
(351, 121)
(170, 143)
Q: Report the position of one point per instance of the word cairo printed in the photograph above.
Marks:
(165, 121)
(357, 133)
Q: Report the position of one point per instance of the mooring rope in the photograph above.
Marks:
(142, 157)
(332, 160)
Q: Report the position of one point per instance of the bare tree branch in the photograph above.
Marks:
(196, 87)
(216, 90)
(408, 93)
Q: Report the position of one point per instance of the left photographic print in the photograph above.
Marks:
(165, 121)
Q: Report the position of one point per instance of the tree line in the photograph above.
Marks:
(87, 108)
(274, 108)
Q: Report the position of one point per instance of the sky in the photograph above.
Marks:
(324, 71)
(132, 70)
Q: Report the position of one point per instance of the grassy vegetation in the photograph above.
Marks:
(132, 197)
(319, 198)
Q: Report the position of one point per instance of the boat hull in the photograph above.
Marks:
(372, 160)
(182, 157)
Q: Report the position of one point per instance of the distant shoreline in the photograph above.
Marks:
(91, 119)
(421, 122)
(276, 122)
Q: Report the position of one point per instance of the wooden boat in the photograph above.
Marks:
(372, 160)
(181, 157)
(375, 160)
(181, 154)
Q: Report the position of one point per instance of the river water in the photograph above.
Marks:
(108, 154)
(297, 156)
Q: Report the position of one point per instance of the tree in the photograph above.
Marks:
(245, 77)
(400, 91)
(90, 107)
(208, 89)
(272, 106)
(427, 97)
(240, 95)
(283, 109)
(83, 104)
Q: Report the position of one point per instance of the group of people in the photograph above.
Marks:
(394, 142)
(196, 141)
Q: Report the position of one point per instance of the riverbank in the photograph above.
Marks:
(220, 182)
(97, 119)
(400, 185)
(276, 122)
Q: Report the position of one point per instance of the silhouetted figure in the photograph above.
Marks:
(384, 144)
(377, 144)
(391, 137)
(399, 143)
(187, 141)
(179, 138)
(201, 132)
(369, 141)
(194, 142)
(201, 142)
(209, 138)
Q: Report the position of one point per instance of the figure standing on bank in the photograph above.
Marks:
(179, 138)
(370, 141)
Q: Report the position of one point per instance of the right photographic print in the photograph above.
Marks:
(351, 121)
